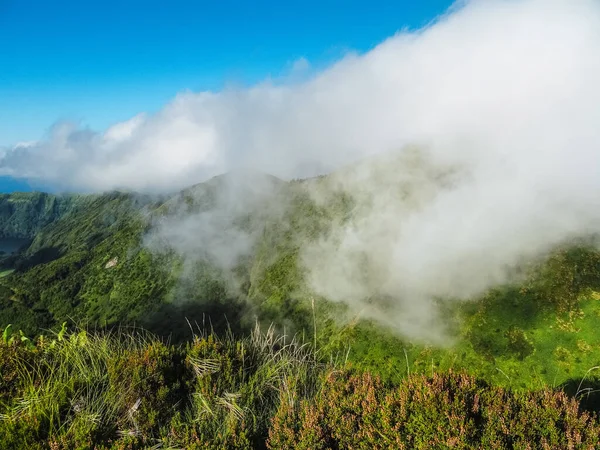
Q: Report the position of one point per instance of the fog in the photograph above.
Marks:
(469, 146)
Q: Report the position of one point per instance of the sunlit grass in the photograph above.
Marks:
(564, 345)
(76, 386)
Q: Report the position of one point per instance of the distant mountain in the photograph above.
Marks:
(63, 273)
(227, 252)
(24, 214)
(234, 188)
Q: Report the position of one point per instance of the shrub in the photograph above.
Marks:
(445, 411)
(238, 386)
(150, 381)
(14, 358)
(76, 390)
(129, 391)
(518, 342)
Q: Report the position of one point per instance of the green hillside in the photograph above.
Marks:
(162, 263)
(23, 215)
(92, 265)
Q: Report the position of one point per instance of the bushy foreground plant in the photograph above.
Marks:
(238, 385)
(79, 389)
(357, 411)
(129, 390)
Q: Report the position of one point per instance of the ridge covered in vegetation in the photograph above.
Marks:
(519, 373)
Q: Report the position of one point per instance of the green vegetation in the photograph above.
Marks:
(63, 275)
(23, 215)
(523, 337)
(514, 352)
(442, 411)
(130, 390)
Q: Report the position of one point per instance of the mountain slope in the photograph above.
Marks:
(23, 215)
(229, 251)
(62, 274)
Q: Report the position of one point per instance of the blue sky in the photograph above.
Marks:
(102, 62)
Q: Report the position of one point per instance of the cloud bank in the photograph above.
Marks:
(503, 93)
(487, 80)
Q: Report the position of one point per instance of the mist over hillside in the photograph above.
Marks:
(382, 238)
(460, 152)
(398, 250)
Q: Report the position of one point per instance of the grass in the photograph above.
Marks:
(128, 389)
(67, 388)
(91, 388)
(556, 346)
(131, 389)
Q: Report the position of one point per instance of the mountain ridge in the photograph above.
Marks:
(257, 272)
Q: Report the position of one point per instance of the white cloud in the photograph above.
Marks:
(299, 66)
(497, 73)
(506, 91)
(500, 74)
(124, 130)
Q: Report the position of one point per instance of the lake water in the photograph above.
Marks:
(11, 245)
